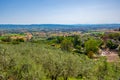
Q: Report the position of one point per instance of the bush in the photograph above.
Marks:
(6, 39)
(19, 40)
(119, 52)
(90, 54)
(92, 45)
(111, 45)
(66, 45)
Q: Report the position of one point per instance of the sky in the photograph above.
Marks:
(59, 11)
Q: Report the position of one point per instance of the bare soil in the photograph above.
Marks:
(112, 56)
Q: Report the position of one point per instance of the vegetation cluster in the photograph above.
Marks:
(75, 57)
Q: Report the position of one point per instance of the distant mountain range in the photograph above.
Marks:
(74, 27)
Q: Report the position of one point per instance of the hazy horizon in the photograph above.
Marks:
(59, 12)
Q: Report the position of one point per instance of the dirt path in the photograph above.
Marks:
(112, 56)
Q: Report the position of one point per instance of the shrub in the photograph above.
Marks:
(6, 39)
(66, 45)
(92, 45)
(19, 40)
(90, 54)
(111, 45)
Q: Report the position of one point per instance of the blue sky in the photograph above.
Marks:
(59, 11)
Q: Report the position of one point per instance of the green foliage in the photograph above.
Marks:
(38, 61)
(59, 39)
(108, 71)
(90, 54)
(92, 45)
(66, 45)
(119, 51)
(76, 41)
(114, 36)
(19, 40)
(6, 39)
(111, 44)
